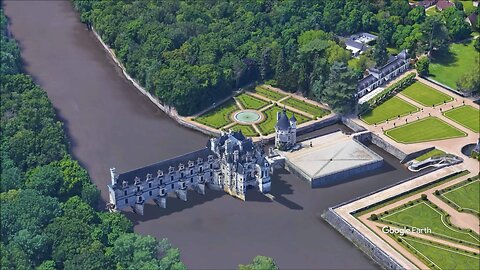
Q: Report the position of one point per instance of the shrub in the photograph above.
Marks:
(374, 217)
(424, 197)
(437, 192)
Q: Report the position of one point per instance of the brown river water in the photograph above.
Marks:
(111, 124)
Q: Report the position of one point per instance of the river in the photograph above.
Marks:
(109, 123)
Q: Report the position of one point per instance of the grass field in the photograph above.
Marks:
(425, 95)
(441, 256)
(468, 6)
(218, 117)
(466, 196)
(249, 102)
(306, 107)
(423, 130)
(422, 215)
(247, 130)
(466, 116)
(268, 125)
(390, 109)
(447, 67)
(273, 95)
(434, 152)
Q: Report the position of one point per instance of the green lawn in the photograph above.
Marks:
(268, 125)
(422, 215)
(390, 109)
(423, 130)
(447, 67)
(441, 256)
(273, 95)
(306, 107)
(466, 196)
(432, 11)
(219, 116)
(466, 116)
(468, 6)
(247, 130)
(434, 152)
(249, 102)
(425, 95)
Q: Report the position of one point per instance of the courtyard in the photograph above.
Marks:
(255, 112)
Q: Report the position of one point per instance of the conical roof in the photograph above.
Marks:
(283, 123)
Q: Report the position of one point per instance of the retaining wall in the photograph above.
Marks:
(414, 155)
(168, 110)
(352, 125)
(399, 154)
(359, 240)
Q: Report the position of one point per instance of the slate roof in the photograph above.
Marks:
(472, 18)
(443, 4)
(164, 166)
(355, 44)
(393, 63)
(283, 123)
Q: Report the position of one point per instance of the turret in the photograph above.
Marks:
(113, 176)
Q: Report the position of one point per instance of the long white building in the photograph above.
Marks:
(395, 66)
(230, 162)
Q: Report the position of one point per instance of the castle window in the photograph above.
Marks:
(161, 181)
(211, 173)
(181, 175)
(126, 201)
(200, 169)
(191, 172)
(191, 180)
(211, 165)
(125, 192)
(171, 178)
(173, 186)
(138, 188)
(150, 185)
(150, 193)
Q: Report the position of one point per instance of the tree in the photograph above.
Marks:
(457, 27)
(260, 263)
(340, 88)
(434, 33)
(469, 83)
(416, 15)
(458, 5)
(422, 66)
(380, 53)
(45, 179)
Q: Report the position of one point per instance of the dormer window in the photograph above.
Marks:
(199, 160)
(124, 184)
(137, 180)
(171, 169)
(190, 163)
(159, 173)
(149, 176)
(181, 166)
(210, 157)
(200, 169)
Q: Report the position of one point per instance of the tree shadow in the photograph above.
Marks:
(444, 58)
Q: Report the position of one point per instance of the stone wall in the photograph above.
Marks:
(416, 154)
(399, 154)
(359, 240)
(352, 125)
(169, 110)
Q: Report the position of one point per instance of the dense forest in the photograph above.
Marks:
(192, 53)
(48, 216)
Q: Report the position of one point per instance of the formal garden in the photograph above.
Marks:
(254, 113)
(424, 130)
(466, 116)
(426, 95)
(393, 108)
(464, 196)
(438, 256)
(421, 214)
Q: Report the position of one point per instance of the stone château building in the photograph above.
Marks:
(395, 66)
(285, 131)
(230, 162)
